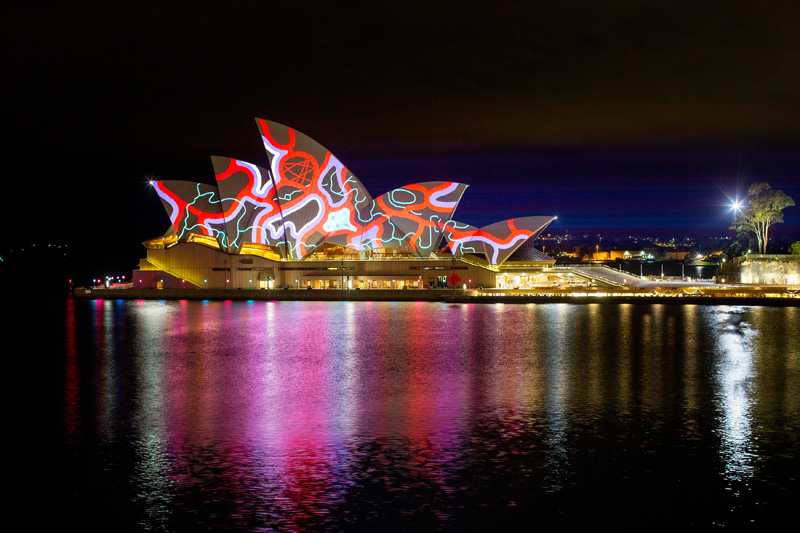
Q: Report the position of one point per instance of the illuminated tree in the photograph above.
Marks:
(764, 208)
(796, 248)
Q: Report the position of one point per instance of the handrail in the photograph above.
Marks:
(575, 270)
(487, 266)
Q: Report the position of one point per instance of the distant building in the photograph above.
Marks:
(636, 254)
(610, 255)
(569, 254)
(653, 253)
(675, 254)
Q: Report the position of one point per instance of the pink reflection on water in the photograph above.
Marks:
(104, 387)
(72, 377)
(287, 386)
(291, 412)
(260, 393)
(271, 400)
(418, 403)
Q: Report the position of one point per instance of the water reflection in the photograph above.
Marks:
(735, 338)
(556, 389)
(292, 415)
(71, 415)
(152, 466)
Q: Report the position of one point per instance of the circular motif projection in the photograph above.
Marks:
(299, 169)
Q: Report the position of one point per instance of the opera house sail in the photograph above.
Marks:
(305, 220)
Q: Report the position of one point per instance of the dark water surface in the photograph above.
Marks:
(397, 416)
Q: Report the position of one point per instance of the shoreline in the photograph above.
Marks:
(667, 300)
(422, 295)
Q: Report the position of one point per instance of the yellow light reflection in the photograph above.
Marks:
(735, 374)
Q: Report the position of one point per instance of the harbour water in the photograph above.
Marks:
(176, 415)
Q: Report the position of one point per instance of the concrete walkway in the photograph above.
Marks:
(623, 279)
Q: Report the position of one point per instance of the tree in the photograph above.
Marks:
(796, 248)
(734, 250)
(764, 208)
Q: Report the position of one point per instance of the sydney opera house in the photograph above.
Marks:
(306, 221)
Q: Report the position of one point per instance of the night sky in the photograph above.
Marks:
(623, 116)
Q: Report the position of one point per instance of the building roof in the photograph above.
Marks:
(307, 197)
(530, 254)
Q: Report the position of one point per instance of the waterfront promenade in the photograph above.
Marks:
(686, 294)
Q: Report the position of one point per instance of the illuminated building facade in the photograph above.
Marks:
(307, 221)
(770, 269)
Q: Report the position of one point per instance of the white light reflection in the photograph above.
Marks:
(151, 442)
(557, 387)
(734, 376)
(269, 373)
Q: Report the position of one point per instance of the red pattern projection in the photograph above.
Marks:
(308, 197)
(299, 170)
(193, 208)
(327, 203)
(319, 197)
(249, 204)
(413, 215)
(496, 241)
